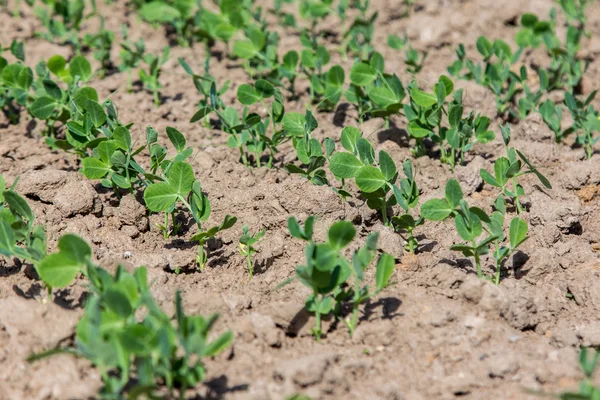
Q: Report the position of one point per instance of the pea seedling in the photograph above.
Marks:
(407, 197)
(327, 270)
(131, 55)
(373, 92)
(122, 345)
(150, 78)
(359, 35)
(246, 245)
(101, 43)
(212, 102)
(412, 58)
(495, 73)
(508, 169)
(469, 223)
(308, 149)
(253, 135)
(586, 121)
(588, 363)
(376, 181)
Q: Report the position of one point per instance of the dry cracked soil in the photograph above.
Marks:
(438, 332)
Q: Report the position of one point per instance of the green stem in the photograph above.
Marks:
(477, 261)
(166, 227)
(384, 213)
(250, 266)
(318, 326)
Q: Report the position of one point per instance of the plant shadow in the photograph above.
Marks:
(218, 387)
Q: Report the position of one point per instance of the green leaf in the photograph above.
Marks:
(122, 138)
(56, 64)
(220, 344)
(436, 210)
(264, 89)
(81, 67)
(293, 123)
(244, 49)
(58, 270)
(95, 111)
(385, 268)
(117, 302)
(365, 151)
(349, 139)
(417, 130)
(247, 95)
(43, 107)
(517, 232)
(453, 193)
(484, 46)
(160, 196)
(336, 76)
(488, 178)
(387, 166)
(369, 179)
(52, 89)
(7, 239)
(344, 165)
(382, 96)
(157, 11)
(448, 84)
(181, 177)
(541, 177)
(423, 99)
(94, 168)
(341, 234)
(362, 74)
(75, 248)
(18, 205)
(176, 138)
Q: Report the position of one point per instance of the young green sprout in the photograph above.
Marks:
(473, 222)
(377, 181)
(308, 150)
(150, 79)
(136, 346)
(178, 185)
(246, 244)
(587, 389)
(508, 169)
(326, 271)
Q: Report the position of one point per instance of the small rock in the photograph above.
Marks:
(131, 212)
(265, 329)
(389, 241)
(472, 289)
(494, 299)
(236, 302)
(502, 365)
(473, 321)
(305, 371)
(42, 184)
(589, 334)
(469, 176)
(75, 198)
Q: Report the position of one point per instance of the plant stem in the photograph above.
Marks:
(166, 227)
(318, 326)
(250, 266)
(384, 213)
(477, 261)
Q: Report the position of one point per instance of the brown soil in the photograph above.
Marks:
(437, 333)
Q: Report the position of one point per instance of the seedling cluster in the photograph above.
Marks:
(138, 349)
